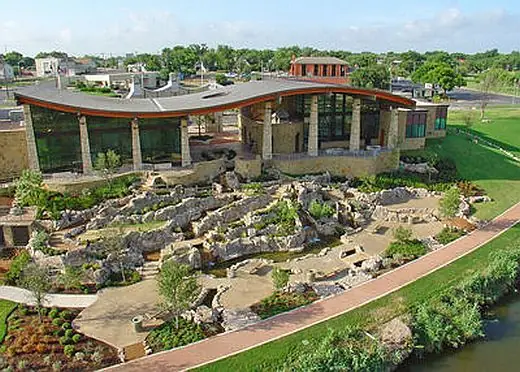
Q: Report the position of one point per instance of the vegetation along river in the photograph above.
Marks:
(498, 351)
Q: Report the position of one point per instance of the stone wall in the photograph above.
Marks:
(202, 172)
(248, 168)
(284, 136)
(340, 165)
(13, 153)
(76, 185)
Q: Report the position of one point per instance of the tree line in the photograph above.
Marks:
(368, 69)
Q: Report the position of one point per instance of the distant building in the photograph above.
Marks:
(51, 66)
(6, 71)
(323, 69)
(148, 80)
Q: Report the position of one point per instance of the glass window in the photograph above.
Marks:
(316, 70)
(416, 125)
(325, 70)
(160, 139)
(333, 70)
(304, 70)
(441, 118)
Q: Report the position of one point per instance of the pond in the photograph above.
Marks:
(499, 351)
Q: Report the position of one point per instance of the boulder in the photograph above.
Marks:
(296, 287)
(231, 181)
(397, 338)
(372, 265)
(233, 319)
(325, 289)
(479, 199)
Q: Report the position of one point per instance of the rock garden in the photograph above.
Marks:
(253, 249)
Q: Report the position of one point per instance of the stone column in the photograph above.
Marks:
(218, 121)
(185, 143)
(267, 139)
(85, 145)
(393, 129)
(8, 236)
(32, 151)
(313, 128)
(136, 145)
(355, 128)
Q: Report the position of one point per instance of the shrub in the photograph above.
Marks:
(47, 360)
(57, 322)
(54, 314)
(448, 234)
(408, 249)
(320, 210)
(280, 302)
(96, 357)
(79, 356)
(69, 350)
(41, 348)
(253, 188)
(56, 366)
(76, 338)
(64, 340)
(22, 364)
(44, 311)
(66, 326)
(66, 315)
(280, 277)
(167, 336)
(17, 266)
(23, 310)
(59, 332)
(402, 234)
(69, 333)
(29, 188)
(449, 204)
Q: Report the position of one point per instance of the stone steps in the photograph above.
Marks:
(149, 270)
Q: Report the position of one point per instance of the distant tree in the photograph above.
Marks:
(13, 58)
(376, 76)
(70, 277)
(115, 248)
(439, 73)
(177, 287)
(221, 79)
(488, 82)
(107, 163)
(449, 204)
(36, 279)
(55, 54)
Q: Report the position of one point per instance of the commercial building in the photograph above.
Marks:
(298, 127)
(323, 69)
(51, 66)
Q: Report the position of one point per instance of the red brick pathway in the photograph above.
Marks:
(227, 344)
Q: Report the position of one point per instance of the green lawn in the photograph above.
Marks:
(273, 355)
(503, 127)
(6, 308)
(474, 85)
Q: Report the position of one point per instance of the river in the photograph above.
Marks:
(499, 351)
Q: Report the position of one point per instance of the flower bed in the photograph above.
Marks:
(51, 343)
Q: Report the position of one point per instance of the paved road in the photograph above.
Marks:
(227, 344)
(23, 296)
(466, 97)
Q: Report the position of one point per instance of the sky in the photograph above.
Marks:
(118, 27)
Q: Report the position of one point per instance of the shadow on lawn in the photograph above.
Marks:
(503, 145)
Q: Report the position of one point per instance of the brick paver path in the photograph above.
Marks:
(227, 344)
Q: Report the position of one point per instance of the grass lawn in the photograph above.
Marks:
(273, 355)
(503, 127)
(474, 85)
(6, 308)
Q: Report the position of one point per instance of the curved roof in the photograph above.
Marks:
(230, 97)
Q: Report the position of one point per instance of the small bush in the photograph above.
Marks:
(449, 204)
(320, 210)
(280, 277)
(280, 302)
(54, 314)
(57, 322)
(76, 338)
(69, 333)
(253, 188)
(448, 234)
(402, 234)
(167, 336)
(66, 326)
(79, 356)
(59, 332)
(23, 310)
(64, 340)
(408, 249)
(17, 265)
(44, 311)
(69, 350)
(56, 366)
(67, 315)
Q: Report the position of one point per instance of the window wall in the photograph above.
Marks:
(160, 139)
(110, 134)
(416, 124)
(441, 118)
(57, 140)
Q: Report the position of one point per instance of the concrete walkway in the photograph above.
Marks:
(231, 343)
(23, 296)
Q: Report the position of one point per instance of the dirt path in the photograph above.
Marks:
(277, 327)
